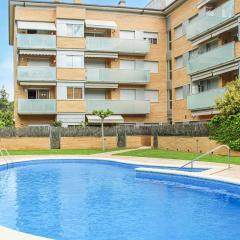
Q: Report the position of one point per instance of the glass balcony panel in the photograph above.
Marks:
(204, 100)
(36, 41)
(103, 44)
(211, 19)
(124, 76)
(212, 58)
(119, 106)
(36, 106)
(29, 73)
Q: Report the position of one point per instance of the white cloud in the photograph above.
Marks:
(6, 75)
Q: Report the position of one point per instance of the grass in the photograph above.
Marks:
(167, 154)
(58, 151)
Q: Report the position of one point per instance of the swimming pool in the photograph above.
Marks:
(91, 200)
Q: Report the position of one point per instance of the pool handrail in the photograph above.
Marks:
(210, 152)
(6, 155)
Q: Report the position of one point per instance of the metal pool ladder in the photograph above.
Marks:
(208, 153)
(6, 156)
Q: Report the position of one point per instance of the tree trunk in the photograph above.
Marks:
(103, 138)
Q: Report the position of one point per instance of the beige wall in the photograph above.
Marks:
(87, 142)
(191, 144)
(180, 113)
(77, 13)
(70, 42)
(25, 143)
(35, 14)
(66, 106)
(185, 144)
(71, 74)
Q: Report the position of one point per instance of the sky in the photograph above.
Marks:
(6, 51)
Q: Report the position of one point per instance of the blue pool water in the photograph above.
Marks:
(96, 201)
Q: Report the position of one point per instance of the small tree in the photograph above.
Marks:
(102, 114)
(225, 127)
(57, 124)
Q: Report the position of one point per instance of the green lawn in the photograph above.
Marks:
(158, 153)
(58, 151)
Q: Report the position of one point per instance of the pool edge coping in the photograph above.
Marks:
(9, 233)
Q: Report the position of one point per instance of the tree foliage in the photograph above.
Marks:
(6, 110)
(225, 127)
(102, 114)
(230, 103)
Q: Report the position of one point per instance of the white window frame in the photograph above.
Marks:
(179, 64)
(130, 66)
(179, 93)
(67, 59)
(179, 31)
(134, 91)
(124, 32)
(154, 68)
(151, 37)
(153, 97)
(63, 27)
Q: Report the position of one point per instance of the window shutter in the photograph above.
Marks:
(127, 34)
(61, 60)
(128, 94)
(139, 35)
(139, 94)
(127, 64)
(139, 65)
(61, 29)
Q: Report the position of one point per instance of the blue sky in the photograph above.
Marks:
(6, 51)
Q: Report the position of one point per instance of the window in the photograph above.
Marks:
(169, 40)
(128, 94)
(127, 64)
(205, 85)
(179, 31)
(193, 53)
(179, 62)
(151, 95)
(179, 93)
(70, 28)
(169, 70)
(74, 93)
(151, 66)
(127, 34)
(170, 99)
(95, 34)
(70, 59)
(151, 37)
(38, 94)
(193, 18)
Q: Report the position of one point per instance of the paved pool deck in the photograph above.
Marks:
(216, 171)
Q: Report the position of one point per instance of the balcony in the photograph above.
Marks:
(36, 74)
(124, 46)
(122, 76)
(211, 19)
(36, 106)
(36, 41)
(204, 100)
(119, 106)
(212, 58)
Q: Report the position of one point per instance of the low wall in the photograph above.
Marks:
(87, 142)
(23, 143)
(192, 144)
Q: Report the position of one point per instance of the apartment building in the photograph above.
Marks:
(203, 55)
(71, 59)
(164, 63)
